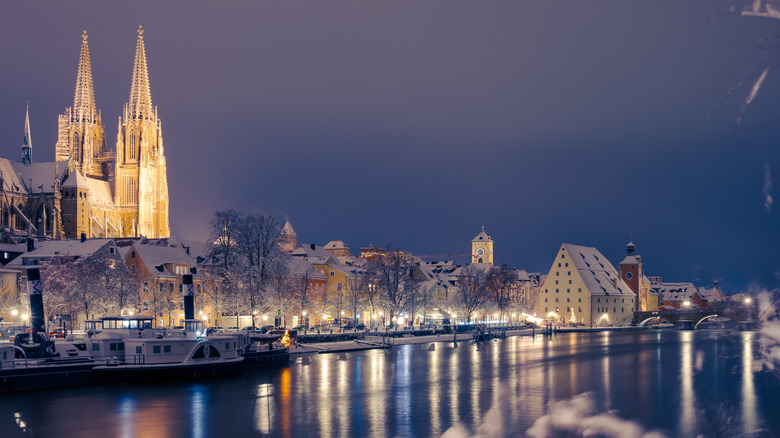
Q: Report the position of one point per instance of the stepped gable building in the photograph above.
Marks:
(89, 190)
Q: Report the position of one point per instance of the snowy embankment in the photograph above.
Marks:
(373, 342)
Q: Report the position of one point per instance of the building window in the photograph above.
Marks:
(568, 300)
(132, 254)
(556, 300)
(556, 281)
(559, 265)
(545, 300)
(579, 309)
(580, 300)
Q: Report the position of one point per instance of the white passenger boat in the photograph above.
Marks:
(130, 349)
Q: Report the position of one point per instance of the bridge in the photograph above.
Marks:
(690, 318)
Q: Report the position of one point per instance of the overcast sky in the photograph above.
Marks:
(410, 123)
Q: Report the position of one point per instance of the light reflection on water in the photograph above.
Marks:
(677, 382)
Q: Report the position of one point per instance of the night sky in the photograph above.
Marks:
(410, 123)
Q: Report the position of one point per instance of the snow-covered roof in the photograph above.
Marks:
(597, 272)
(99, 190)
(297, 266)
(631, 260)
(712, 294)
(482, 236)
(674, 291)
(336, 244)
(287, 229)
(49, 249)
(35, 175)
(75, 179)
(310, 250)
(153, 255)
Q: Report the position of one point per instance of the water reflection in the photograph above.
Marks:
(749, 422)
(265, 408)
(687, 423)
(654, 377)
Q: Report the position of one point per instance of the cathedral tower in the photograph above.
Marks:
(141, 185)
(482, 248)
(82, 135)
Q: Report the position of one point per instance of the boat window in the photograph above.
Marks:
(227, 345)
(95, 347)
(125, 323)
(166, 348)
(138, 349)
(156, 349)
(133, 324)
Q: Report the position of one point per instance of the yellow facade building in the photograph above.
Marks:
(583, 287)
(482, 248)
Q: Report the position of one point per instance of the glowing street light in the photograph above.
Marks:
(748, 300)
(14, 312)
(686, 303)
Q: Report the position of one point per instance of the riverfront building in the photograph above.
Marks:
(582, 287)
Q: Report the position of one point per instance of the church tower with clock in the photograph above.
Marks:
(631, 273)
(482, 248)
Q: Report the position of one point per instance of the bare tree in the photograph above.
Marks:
(396, 280)
(471, 289)
(258, 239)
(300, 283)
(357, 288)
(500, 283)
(223, 232)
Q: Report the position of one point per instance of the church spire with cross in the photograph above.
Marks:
(27, 143)
(82, 135)
(141, 187)
(140, 105)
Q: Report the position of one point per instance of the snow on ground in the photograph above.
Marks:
(373, 341)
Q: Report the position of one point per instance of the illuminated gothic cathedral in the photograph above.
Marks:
(89, 189)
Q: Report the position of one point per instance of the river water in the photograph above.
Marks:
(676, 383)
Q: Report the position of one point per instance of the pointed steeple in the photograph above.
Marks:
(84, 100)
(140, 105)
(27, 144)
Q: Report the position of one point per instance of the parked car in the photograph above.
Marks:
(58, 333)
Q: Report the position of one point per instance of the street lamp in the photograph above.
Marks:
(748, 300)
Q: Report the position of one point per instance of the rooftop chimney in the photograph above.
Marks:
(30, 244)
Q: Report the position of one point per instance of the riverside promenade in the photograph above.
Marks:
(376, 340)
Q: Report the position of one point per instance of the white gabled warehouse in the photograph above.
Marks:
(583, 287)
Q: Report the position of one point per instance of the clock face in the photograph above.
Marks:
(629, 276)
(480, 252)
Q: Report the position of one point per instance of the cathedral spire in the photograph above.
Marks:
(140, 105)
(27, 144)
(84, 100)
